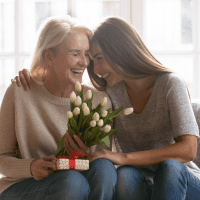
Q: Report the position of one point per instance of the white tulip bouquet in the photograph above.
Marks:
(90, 125)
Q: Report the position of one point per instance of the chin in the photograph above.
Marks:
(74, 78)
(111, 83)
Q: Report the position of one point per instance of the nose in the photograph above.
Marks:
(96, 68)
(84, 61)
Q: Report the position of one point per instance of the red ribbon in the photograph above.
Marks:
(72, 157)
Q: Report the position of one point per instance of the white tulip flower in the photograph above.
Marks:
(100, 122)
(89, 94)
(73, 96)
(84, 105)
(76, 111)
(78, 101)
(104, 101)
(78, 86)
(86, 111)
(96, 116)
(127, 111)
(69, 114)
(93, 123)
(107, 128)
(104, 113)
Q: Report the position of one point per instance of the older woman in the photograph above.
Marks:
(156, 144)
(33, 122)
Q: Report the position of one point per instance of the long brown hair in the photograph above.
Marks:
(124, 50)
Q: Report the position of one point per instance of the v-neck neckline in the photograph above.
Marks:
(128, 101)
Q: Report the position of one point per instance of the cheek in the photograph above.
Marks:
(87, 61)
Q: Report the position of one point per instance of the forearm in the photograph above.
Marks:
(181, 152)
(15, 168)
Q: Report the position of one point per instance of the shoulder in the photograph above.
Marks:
(169, 82)
(17, 92)
(172, 79)
(11, 89)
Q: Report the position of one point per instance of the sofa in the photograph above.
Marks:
(196, 109)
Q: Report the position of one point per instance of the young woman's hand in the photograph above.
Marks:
(70, 145)
(115, 158)
(43, 167)
(23, 79)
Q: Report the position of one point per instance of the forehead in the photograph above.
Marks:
(94, 49)
(78, 41)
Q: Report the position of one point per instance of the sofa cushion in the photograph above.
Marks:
(196, 109)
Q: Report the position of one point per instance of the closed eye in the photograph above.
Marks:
(99, 58)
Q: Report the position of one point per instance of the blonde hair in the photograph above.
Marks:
(52, 34)
(124, 50)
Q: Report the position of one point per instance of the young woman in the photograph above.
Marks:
(32, 123)
(156, 144)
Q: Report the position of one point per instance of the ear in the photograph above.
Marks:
(48, 57)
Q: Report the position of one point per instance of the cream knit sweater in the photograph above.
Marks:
(33, 122)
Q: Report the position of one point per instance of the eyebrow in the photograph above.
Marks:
(96, 55)
(72, 50)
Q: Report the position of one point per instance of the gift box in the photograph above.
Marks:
(78, 164)
(71, 162)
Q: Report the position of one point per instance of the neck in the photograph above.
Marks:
(59, 88)
(136, 86)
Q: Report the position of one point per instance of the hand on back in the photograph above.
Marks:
(23, 79)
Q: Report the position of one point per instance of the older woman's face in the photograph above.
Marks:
(102, 68)
(72, 59)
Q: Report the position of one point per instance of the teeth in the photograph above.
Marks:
(105, 75)
(77, 71)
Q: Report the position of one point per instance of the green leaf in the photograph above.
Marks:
(106, 122)
(92, 133)
(109, 110)
(106, 134)
(98, 109)
(81, 95)
(60, 144)
(70, 129)
(115, 113)
(80, 121)
(89, 103)
(73, 125)
(72, 106)
(86, 122)
(106, 140)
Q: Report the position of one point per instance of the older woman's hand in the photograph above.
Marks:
(42, 167)
(70, 145)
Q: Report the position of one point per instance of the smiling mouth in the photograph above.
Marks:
(77, 71)
(103, 76)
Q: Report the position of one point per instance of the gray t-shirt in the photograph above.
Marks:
(167, 115)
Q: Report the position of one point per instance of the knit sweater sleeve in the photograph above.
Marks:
(10, 166)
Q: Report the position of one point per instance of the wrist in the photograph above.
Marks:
(32, 166)
(124, 160)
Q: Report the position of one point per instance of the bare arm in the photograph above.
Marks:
(23, 79)
(184, 150)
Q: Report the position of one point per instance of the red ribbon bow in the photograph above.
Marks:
(72, 157)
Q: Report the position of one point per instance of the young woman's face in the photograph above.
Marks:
(102, 68)
(72, 59)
